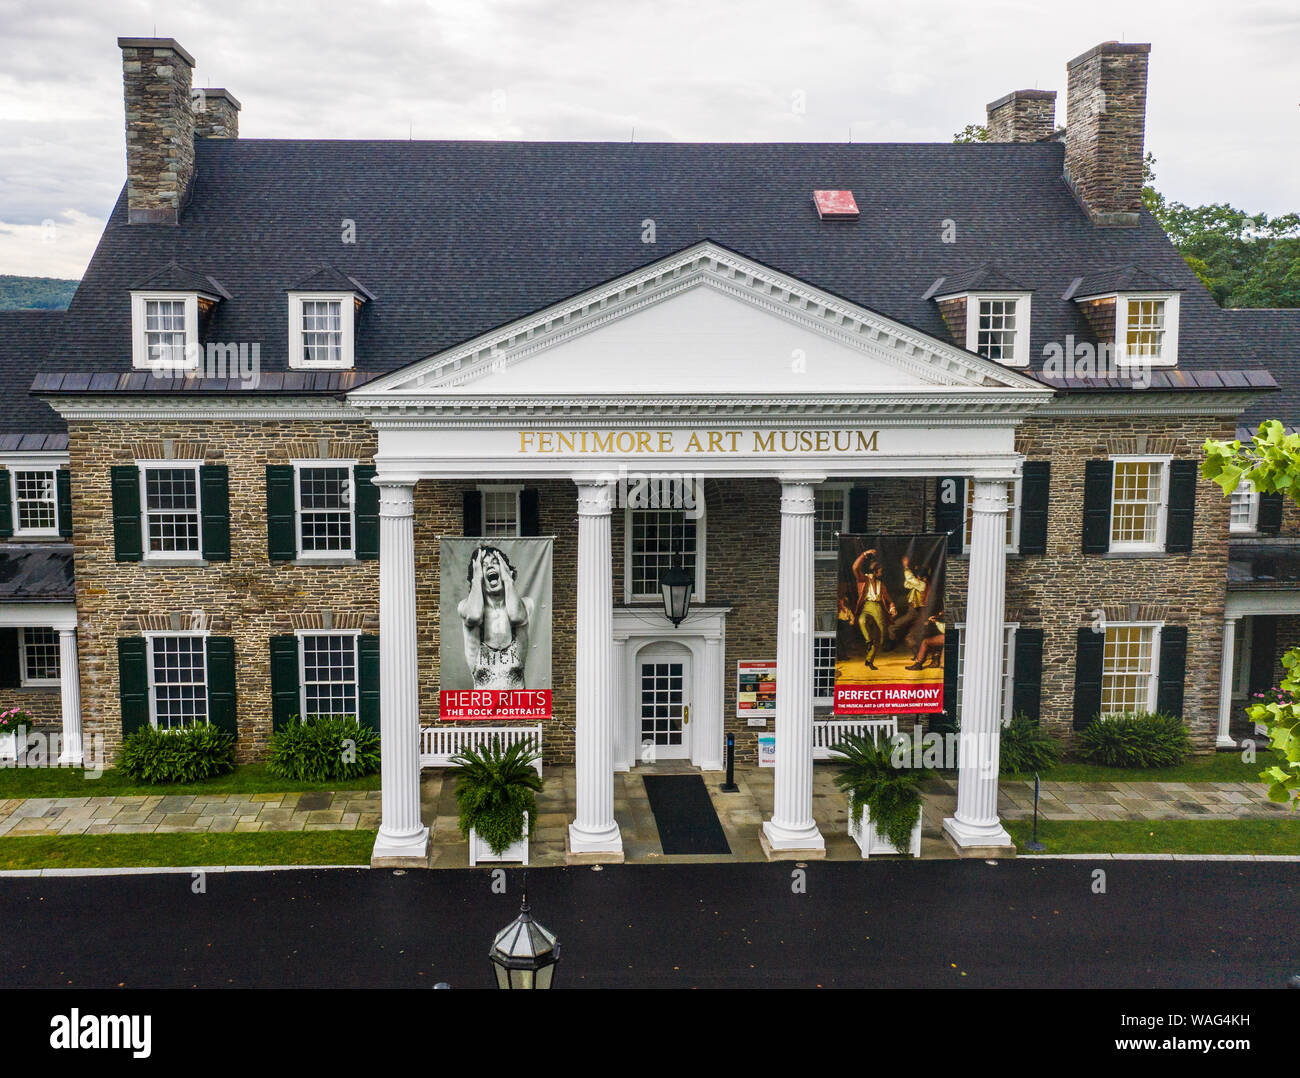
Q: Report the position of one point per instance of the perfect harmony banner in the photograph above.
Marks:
(889, 627)
(495, 629)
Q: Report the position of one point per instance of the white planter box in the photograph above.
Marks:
(8, 746)
(870, 841)
(481, 851)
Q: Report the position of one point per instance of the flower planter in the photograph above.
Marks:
(479, 850)
(870, 841)
(9, 746)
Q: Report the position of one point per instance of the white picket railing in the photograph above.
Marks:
(828, 732)
(438, 744)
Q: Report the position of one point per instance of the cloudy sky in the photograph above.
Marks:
(1223, 114)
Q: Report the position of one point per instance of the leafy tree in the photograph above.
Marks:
(1270, 463)
(972, 133)
(35, 293)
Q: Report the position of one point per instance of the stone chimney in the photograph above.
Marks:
(1022, 116)
(216, 113)
(156, 76)
(1106, 108)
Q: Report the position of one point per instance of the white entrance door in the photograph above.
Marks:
(664, 703)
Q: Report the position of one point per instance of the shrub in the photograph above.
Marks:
(888, 790)
(1135, 739)
(322, 748)
(14, 718)
(494, 789)
(183, 754)
(1026, 746)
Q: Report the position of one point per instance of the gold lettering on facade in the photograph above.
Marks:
(648, 442)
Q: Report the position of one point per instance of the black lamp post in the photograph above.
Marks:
(524, 953)
(676, 585)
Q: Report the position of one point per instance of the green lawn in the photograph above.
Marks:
(73, 782)
(117, 851)
(1280, 836)
(1218, 767)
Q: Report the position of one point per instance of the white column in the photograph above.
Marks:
(976, 820)
(792, 826)
(402, 835)
(71, 752)
(1224, 740)
(625, 747)
(594, 829)
(710, 752)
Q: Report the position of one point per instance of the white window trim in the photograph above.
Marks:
(1020, 351)
(347, 323)
(1153, 679)
(1009, 630)
(1013, 510)
(824, 701)
(149, 638)
(846, 488)
(324, 555)
(1168, 346)
(1157, 545)
(33, 533)
(169, 465)
(34, 682)
(701, 533)
(1252, 523)
(140, 359)
(500, 488)
(302, 634)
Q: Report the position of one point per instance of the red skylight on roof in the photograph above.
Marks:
(833, 205)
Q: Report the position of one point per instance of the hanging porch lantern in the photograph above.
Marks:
(676, 585)
(524, 953)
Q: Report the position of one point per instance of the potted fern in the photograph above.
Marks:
(496, 793)
(884, 797)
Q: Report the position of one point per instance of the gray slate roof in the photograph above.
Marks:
(26, 423)
(36, 572)
(1275, 335)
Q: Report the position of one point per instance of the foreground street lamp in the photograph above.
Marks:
(676, 585)
(524, 953)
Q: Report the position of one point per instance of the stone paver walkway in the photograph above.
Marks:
(1138, 801)
(188, 814)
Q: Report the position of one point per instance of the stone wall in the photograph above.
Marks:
(156, 78)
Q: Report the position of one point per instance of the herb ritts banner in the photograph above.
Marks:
(889, 627)
(495, 629)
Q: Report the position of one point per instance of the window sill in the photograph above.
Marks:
(332, 561)
(178, 562)
(37, 536)
(1122, 554)
(40, 686)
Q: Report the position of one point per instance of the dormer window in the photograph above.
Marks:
(997, 327)
(321, 330)
(1147, 328)
(164, 331)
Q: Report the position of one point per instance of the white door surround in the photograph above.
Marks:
(663, 677)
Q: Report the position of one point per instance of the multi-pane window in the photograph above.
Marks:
(500, 511)
(1244, 514)
(1128, 672)
(329, 675)
(36, 501)
(830, 517)
(1138, 494)
(658, 539)
(995, 334)
(325, 507)
(40, 654)
(164, 331)
(1008, 669)
(322, 332)
(178, 680)
(823, 668)
(1013, 515)
(1145, 332)
(171, 510)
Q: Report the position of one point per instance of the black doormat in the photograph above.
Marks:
(684, 814)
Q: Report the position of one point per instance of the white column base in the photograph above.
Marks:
(400, 848)
(607, 841)
(976, 835)
(71, 757)
(1224, 742)
(786, 838)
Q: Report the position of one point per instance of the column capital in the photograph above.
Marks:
(989, 496)
(595, 495)
(396, 496)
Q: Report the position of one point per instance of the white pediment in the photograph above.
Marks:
(705, 321)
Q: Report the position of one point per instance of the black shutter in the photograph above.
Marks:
(948, 719)
(367, 498)
(1269, 519)
(221, 684)
(281, 522)
(1182, 507)
(128, 543)
(285, 698)
(214, 486)
(1173, 669)
(133, 682)
(472, 513)
(950, 510)
(1088, 655)
(1027, 683)
(368, 681)
(858, 510)
(1098, 481)
(63, 486)
(530, 512)
(1034, 484)
(1263, 652)
(6, 505)
(11, 676)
